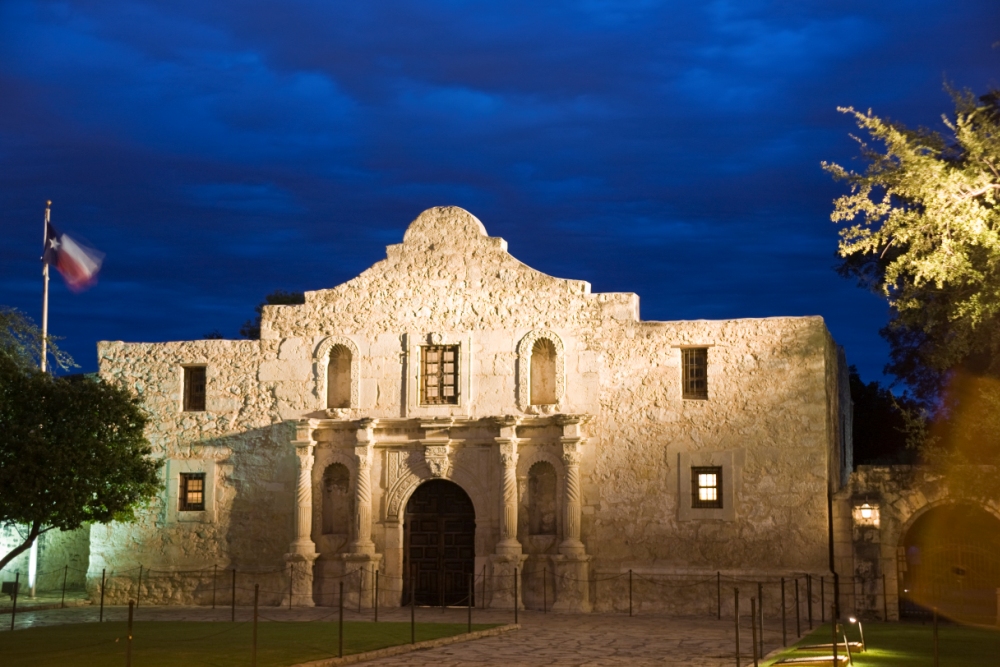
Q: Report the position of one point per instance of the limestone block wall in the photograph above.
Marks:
(774, 421)
(57, 551)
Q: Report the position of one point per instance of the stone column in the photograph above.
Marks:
(358, 565)
(508, 561)
(572, 566)
(302, 552)
(361, 541)
(507, 442)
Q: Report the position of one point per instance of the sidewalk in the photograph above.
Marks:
(43, 601)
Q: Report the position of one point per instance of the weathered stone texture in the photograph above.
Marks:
(773, 413)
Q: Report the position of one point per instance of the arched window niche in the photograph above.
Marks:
(336, 499)
(542, 507)
(541, 370)
(337, 368)
(338, 378)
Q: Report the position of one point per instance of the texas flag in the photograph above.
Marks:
(77, 263)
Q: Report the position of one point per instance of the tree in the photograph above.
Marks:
(880, 423)
(251, 328)
(925, 233)
(21, 341)
(72, 449)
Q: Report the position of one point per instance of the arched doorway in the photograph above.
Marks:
(950, 559)
(439, 544)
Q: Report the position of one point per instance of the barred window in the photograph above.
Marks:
(194, 388)
(192, 492)
(694, 364)
(439, 375)
(706, 487)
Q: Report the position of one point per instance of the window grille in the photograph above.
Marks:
(439, 375)
(706, 487)
(694, 362)
(194, 388)
(192, 492)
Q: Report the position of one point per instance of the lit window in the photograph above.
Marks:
(439, 376)
(694, 365)
(192, 492)
(194, 388)
(706, 487)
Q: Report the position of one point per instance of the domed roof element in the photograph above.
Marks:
(444, 225)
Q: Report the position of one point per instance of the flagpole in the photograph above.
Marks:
(33, 554)
(45, 285)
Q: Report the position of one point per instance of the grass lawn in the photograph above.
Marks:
(157, 644)
(912, 645)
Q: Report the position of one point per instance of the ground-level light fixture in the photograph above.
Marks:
(861, 631)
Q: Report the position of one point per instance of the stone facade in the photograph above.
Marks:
(616, 435)
(872, 516)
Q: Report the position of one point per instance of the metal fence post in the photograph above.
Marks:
(13, 611)
(256, 597)
(798, 606)
(760, 617)
(833, 624)
(935, 637)
(736, 615)
(138, 589)
(100, 619)
(361, 586)
(470, 603)
(784, 625)
(62, 604)
(233, 618)
(215, 582)
(291, 583)
(482, 604)
(375, 602)
(718, 594)
(340, 623)
(822, 600)
(545, 592)
(630, 592)
(128, 640)
(413, 609)
(515, 595)
(753, 629)
(809, 599)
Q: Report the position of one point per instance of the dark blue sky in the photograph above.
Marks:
(216, 151)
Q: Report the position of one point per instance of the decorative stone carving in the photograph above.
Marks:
(572, 440)
(320, 360)
(524, 349)
(436, 457)
(436, 338)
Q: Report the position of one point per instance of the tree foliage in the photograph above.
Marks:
(21, 341)
(924, 231)
(251, 328)
(72, 449)
(880, 423)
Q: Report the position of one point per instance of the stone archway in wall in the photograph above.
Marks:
(439, 544)
(949, 558)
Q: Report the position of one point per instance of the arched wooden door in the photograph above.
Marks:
(439, 538)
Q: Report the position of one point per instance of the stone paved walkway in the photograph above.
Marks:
(577, 640)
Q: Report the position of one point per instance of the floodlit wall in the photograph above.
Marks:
(772, 422)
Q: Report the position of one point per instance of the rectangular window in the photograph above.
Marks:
(694, 365)
(439, 375)
(192, 492)
(194, 388)
(706, 487)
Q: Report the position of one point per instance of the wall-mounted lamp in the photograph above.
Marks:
(866, 511)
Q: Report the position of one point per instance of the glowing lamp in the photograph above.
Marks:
(866, 513)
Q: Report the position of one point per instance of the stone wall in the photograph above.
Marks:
(60, 553)
(774, 421)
